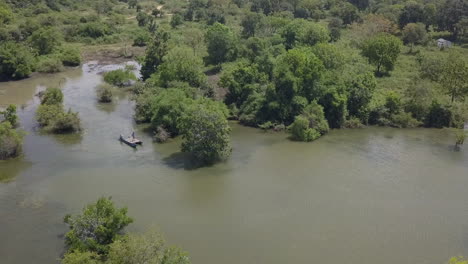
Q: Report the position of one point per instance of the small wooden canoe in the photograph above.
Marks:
(131, 141)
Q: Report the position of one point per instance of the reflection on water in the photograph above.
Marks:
(376, 195)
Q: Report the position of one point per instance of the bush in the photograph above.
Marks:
(404, 120)
(439, 116)
(11, 141)
(50, 64)
(141, 39)
(16, 61)
(46, 114)
(353, 122)
(301, 131)
(105, 93)
(45, 40)
(119, 77)
(70, 56)
(52, 96)
(161, 135)
(10, 115)
(65, 122)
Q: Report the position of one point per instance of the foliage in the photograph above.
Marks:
(382, 51)
(309, 125)
(176, 20)
(105, 93)
(11, 141)
(206, 134)
(16, 61)
(119, 77)
(99, 225)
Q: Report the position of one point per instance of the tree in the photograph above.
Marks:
(334, 27)
(181, 64)
(414, 33)
(412, 13)
(154, 54)
(382, 51)
(360, 89)
(346, 11)
(454, 77)
(221, 44)
(315, 33)
(45, 40)
(205, 132)
(97, 227)
(250, 24)
(16, 61)
(77, 257)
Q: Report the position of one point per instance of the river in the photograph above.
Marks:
(363, 196)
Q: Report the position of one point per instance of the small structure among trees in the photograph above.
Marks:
(442, 43)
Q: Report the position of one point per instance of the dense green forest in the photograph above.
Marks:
(302, 65)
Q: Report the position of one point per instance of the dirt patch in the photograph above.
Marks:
(111, 54)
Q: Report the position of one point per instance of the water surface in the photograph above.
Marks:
(365, 196)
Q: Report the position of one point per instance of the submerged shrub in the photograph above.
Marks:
(161, 135)
(65, 122)
(119, 77)
(11, 141)
(52, 96)
(10, 115)
(404, 120)
(105, 93)
(301, 131)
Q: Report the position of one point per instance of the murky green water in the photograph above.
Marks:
(376, 195)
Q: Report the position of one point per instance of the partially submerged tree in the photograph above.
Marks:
(99, 225)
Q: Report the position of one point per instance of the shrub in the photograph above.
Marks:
(141, 39)
(45, 114)
(439, 115)
(105, 93)
(70, 56)
(46, 40)
(119, 77)
(161, 135)
(16, 61)
(353, 122)
(52, 96)
(301, 131)
(65, 122)
(50, 64)
(11, 141)
(404, 120)
(10, 115)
